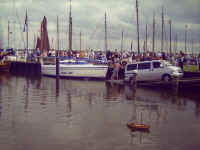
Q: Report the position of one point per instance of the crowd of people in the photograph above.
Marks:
(117, 60)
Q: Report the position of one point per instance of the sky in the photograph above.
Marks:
(88, 18)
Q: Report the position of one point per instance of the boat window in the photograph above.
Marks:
(156, 64)
(131, 67)
(144, 66)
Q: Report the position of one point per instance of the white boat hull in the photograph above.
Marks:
(79, 71)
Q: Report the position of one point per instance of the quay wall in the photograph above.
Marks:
(25, 68)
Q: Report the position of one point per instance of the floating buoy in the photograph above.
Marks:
(138, 127)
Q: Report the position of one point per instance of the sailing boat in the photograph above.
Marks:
(74, 68)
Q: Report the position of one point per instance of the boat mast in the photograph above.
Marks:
(162, 42)
(106, 42)
(153, 42)
(131, 45)
(192, 46)
(70, 28)
(122, 42)
(170, 37)
(80, 40)
(175, 43)
(8, 33)
(186, 38)
(58, 34)
(146, 38)
(26, 23)
(138, 37)
(34, 41)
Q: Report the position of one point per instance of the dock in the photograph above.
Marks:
(25, 68)
(190, 79)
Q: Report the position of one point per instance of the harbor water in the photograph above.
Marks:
(42, 113)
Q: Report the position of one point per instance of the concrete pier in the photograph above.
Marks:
(25, 68)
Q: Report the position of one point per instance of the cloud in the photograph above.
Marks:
(88, 17)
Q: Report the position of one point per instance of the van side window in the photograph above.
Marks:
(144, 66)
(156, 64)
(132, 67)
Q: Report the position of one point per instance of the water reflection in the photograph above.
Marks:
(57, 89)
(69, 102)
(114, 91)
(197, 112)
(130, 92)
(77, 112)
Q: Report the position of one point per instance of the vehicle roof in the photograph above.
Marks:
(146, 61)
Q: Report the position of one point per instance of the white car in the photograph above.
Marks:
(154, 70)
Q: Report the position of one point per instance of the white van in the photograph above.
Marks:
(154, 70)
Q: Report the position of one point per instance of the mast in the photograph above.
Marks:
(138, 35)
(52, 44)
(170, 37)
(122, 41)
(58, 40)
(175, 43)
(146, 38)
(26, 23)
(106, 44)
(153, 42)
(70, 28)
(162, 43)
(186, 38)
(80, 40)
(192, 46)
(8, 33)
(144, 46)
(34, 41)
(131, 45)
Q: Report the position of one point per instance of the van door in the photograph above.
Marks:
(129, 71)
(144, 71)
(157, 70)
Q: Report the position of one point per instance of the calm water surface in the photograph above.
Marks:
(40, 113)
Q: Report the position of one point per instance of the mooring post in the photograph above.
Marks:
(57, 65)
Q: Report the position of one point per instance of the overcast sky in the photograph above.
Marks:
(88, 17)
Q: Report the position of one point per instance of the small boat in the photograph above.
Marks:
(75, 68)
(138, 127)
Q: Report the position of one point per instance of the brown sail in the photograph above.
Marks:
(44, 39)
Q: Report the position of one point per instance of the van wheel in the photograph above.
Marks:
(166, 78)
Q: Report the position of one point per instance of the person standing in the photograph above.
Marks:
(198, 62)
(115, 74)
(38, 54)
